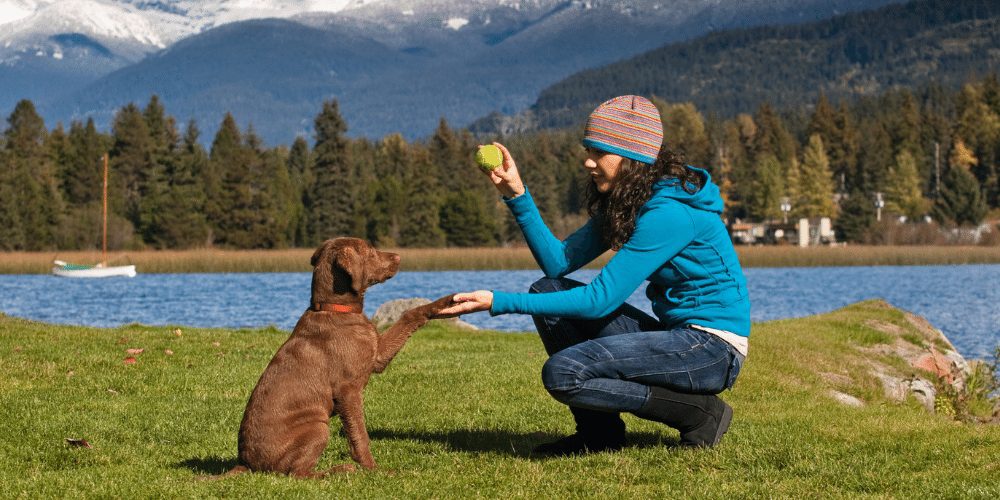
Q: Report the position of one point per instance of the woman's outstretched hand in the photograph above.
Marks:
(506, 178)
(465, 303)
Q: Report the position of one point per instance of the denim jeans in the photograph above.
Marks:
(609, 363)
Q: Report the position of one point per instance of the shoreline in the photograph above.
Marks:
(469, 259)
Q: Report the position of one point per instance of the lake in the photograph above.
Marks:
(960, 300)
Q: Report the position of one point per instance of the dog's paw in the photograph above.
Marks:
(440, 304)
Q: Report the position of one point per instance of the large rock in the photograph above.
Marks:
(930, 355)
(390, 312)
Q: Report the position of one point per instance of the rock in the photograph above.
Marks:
(933, 355)
(846, 399)
(924, 392)
(894, 388)
(390, 312)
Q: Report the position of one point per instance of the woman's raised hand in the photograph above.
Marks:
(506, 178)
(465, 303)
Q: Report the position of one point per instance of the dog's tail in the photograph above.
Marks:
(239, 469)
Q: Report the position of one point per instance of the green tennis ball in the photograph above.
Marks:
(489, 158)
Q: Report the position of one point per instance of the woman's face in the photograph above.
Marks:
(603, 168)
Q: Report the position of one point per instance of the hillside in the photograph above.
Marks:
(394, 65)
(729, 72)
(457, 412)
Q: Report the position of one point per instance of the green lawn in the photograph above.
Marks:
(456, 415)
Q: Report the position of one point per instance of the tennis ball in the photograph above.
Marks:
(489, 158)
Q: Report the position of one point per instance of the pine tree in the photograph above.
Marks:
(465, 220)
(131, 163)
(232, 159)
(300, 170)
(961, 201)
(843, 151)
(684, 131)
(823, 121)
(423, 204)
(11, 230)
(816, 185)
(184, 219)
(772, 137)
(277, 201)
(154, 183)
(902, 193)
(30, 169)
(333, 209)
(875, 157)
(83, 175)
(857, 215)
(768, 188)
(396, 170)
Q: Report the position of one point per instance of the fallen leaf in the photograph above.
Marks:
(18, 349)
(168, 352)
(134, 351)
(82, 443)
(177, 332)
(123, 340)
(129, 360)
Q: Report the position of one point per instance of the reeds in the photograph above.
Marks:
(440, 259)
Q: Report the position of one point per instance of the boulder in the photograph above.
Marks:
(390, 312)
(929, 354)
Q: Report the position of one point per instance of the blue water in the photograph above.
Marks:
(960, 300)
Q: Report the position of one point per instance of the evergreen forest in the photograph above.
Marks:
(931, 154)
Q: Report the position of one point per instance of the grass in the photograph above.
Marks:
(456, 414)
(438, 259)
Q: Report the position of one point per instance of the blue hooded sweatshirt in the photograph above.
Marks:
(679, 245)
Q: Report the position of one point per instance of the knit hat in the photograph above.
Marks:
(627, 126)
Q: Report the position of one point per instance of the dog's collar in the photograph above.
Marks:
(337, 308)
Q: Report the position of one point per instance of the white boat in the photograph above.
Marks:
(100, 270)
(67, 270)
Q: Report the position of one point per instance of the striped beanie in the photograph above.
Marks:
(627, 126)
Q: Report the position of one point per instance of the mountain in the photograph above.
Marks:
(51, 47)
(395, 65)
(911, 45)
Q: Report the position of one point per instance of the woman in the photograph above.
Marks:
(606, 356)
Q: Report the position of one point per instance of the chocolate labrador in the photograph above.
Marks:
(323, 367)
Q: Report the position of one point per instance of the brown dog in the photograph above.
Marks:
(322, 369)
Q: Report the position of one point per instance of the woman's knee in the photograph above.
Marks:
(562, 377)
(548, 285)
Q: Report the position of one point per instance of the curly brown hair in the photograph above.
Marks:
(615, 211)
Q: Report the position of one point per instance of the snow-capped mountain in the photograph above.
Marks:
(395, 65)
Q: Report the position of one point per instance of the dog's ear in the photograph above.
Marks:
(351, 262)
(319, 252)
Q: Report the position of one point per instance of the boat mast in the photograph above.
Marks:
(104, 214)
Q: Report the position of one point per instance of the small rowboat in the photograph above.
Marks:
(100, 270)
(67, 270)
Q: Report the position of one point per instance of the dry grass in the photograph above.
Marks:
(437, 259)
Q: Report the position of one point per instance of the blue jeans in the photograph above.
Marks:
(609, 363)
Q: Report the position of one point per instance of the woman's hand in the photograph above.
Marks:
(506, 178)
(465, 303)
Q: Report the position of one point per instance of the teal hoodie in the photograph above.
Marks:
(679, 245)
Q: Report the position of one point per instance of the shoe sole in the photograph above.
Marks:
(727, 417)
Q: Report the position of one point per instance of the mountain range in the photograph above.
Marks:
(394, 65)
(910, 45)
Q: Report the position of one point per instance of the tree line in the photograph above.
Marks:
(926, 153)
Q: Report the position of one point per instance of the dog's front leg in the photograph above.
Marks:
(392, 341)
(352, 415)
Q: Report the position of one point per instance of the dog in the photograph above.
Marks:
(324, 366)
